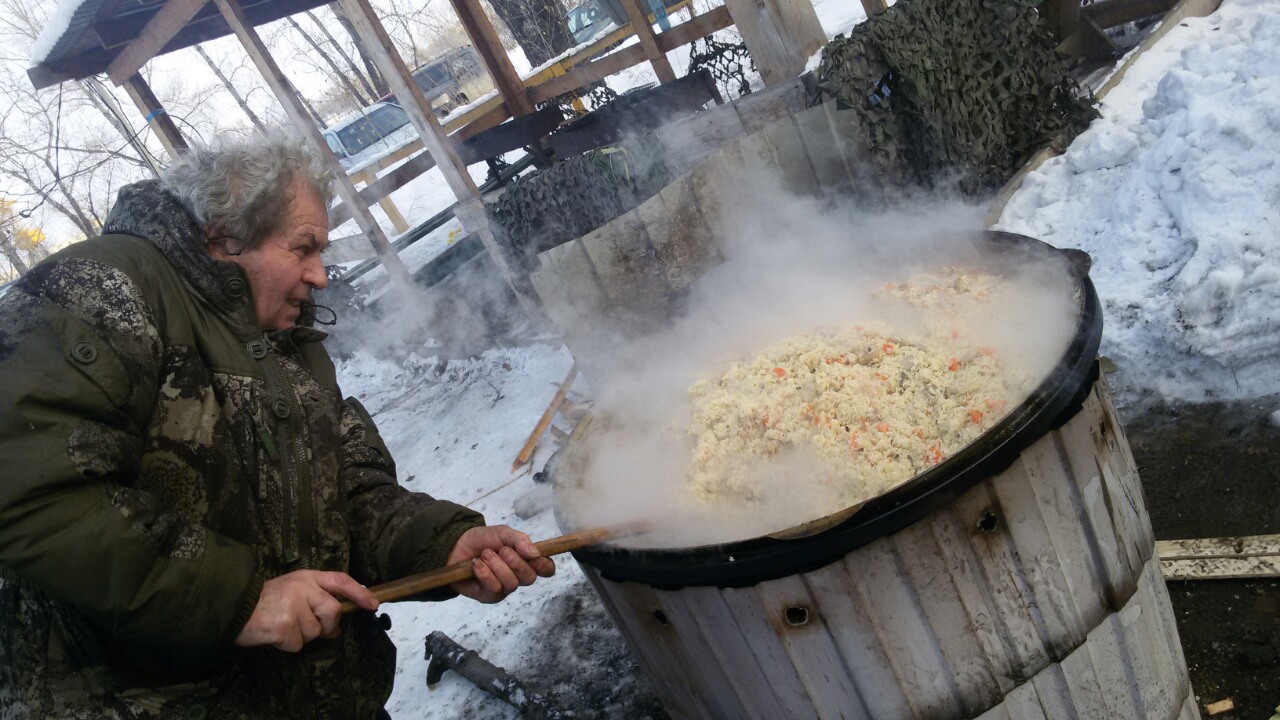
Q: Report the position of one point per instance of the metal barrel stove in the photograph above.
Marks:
(1017, 580)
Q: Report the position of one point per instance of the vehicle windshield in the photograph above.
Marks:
(371, 128)
(577, 19)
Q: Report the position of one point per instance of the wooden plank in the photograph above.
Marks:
(156, 116)
(159, 30)
(644, 31)
(1221, 568)
(853, 152)
(791, 158)
(279, 84)
(1160, 648)
(759, 109)
(485, 38)
(1016, 614)
(808, 640)
(700, 26)
(821, 147)
(628, 268)
(1112, 665)
(672, 688)
(891, 603)
(1244, 546)
(720, 650)
(682, 669)
(1084, 688)
(780, 35)
(751, 615)
(691, 139)
(871, 7)
(963, 643)
(586, 73)
(689, 248)
(877, 678)
(1052, 583)
(972, 594)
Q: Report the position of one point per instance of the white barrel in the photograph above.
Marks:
(1035, 594)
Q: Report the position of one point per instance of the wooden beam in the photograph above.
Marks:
(585, 73)
(781, 35)
(470, 210)
(415, 104)
(1252, 556)
(485, 38)
(1062, 17)
(639, 17)
(156, 116)
(717, 18)
(157, 33)
(874, 6)
(284, 92)
(588, 72)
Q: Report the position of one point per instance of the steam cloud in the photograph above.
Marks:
(792, 264)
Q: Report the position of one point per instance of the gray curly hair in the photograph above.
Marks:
(242, 187)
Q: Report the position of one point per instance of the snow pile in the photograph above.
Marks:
(1174, 193)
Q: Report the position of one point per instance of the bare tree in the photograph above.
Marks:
(230, 87)
(335, 72)
(540, 27)
(369, 89)
(379, 83)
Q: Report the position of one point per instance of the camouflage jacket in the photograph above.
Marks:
(161, 457)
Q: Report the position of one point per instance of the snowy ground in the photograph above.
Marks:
(1174, 194)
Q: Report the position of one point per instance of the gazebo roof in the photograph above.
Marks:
(96, 31)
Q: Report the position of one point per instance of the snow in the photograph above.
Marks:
(1173, 192)
(57, 24)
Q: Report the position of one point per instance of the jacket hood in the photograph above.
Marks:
(146, 210)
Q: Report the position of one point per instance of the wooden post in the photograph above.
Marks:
(485, 38)
(1062, 17)
(874, 6)
(639, 16)
(156, 116)
(470, 210)
(279, 84)
(781, 35)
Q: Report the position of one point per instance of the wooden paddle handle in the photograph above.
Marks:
(449, 574)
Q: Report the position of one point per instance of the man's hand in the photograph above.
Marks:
(299, 607)
(502, 559)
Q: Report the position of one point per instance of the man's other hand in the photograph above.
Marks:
(502, 558)
(299, 607)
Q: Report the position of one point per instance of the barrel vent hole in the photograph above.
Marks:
(796, 616)
(661, 617)
(989, 522)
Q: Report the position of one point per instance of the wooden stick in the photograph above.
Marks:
(526, 452)
(422, 582)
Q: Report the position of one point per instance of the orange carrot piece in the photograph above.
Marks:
(780, 372)
(955, 365)
(882, 426)
(888, 348)
(975, 416)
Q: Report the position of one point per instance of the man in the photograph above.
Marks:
(186, 499)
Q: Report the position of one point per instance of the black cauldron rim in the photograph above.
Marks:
(744, 563)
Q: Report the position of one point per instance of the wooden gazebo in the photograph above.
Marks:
(118, 37)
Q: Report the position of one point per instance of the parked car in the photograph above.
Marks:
(369, 133)
(589, 20)
(451, 80)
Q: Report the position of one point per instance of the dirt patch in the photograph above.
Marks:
(1213, 470)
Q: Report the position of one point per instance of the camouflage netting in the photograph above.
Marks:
(577, 195)
(965, 89)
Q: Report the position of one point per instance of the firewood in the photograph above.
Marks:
(1222, 706)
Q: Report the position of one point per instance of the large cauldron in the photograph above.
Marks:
(1015, 580)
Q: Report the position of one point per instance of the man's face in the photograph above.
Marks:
(286, 266)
